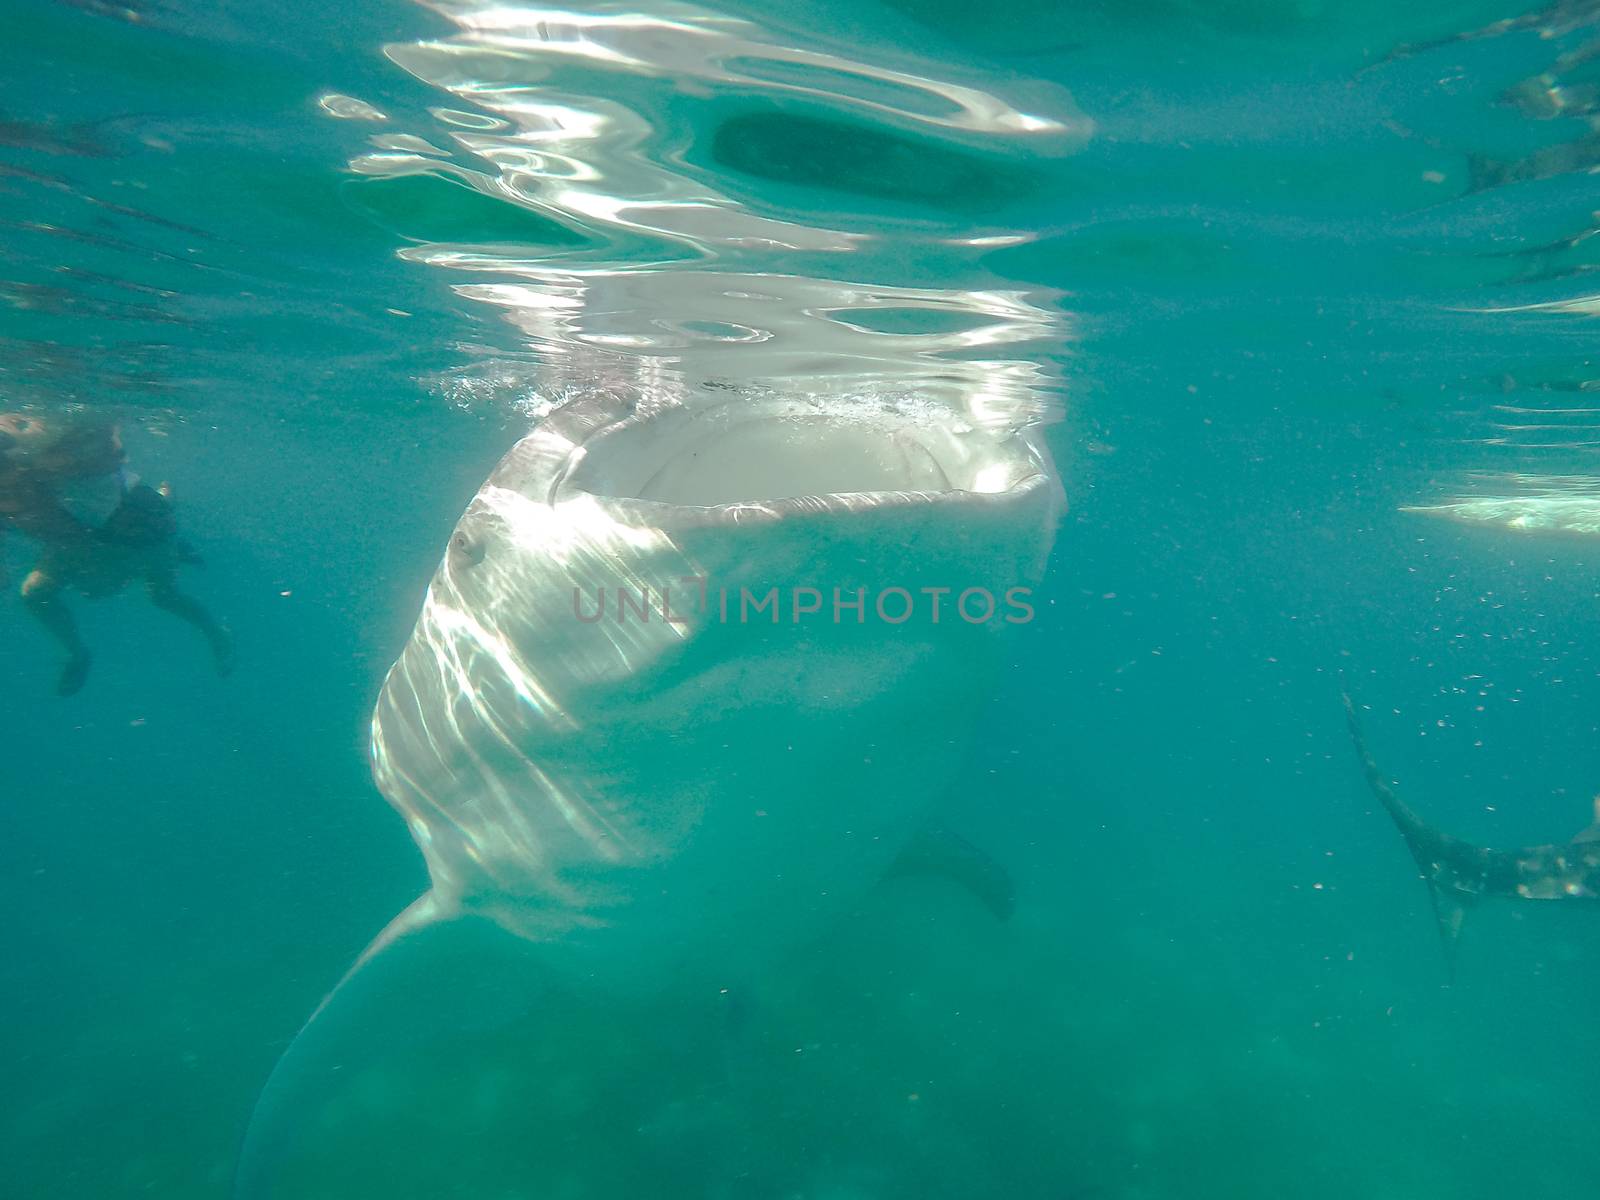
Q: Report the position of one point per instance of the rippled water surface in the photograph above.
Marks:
(1301, 297)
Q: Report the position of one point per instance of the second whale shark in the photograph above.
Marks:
(1459, 874)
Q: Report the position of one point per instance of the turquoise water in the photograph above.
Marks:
(1265, 274)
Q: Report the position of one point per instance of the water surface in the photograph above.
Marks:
(1268, 273)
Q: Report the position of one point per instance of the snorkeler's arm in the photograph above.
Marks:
(187, 554)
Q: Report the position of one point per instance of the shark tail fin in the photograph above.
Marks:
(1449, 904)
(364, 1057)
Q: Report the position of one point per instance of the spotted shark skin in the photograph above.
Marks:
(1459, 873)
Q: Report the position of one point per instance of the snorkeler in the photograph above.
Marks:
(60, 448)
(138, 541)
(37, 455)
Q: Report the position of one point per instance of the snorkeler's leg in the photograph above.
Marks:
(42, 595)
(164, 594)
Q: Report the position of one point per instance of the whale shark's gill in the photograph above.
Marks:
(1459, 873)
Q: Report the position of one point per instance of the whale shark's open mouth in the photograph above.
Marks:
(793, 449)
(716, 585)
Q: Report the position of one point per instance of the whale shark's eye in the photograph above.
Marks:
(465, 550)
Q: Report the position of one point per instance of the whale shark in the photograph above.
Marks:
(1558, 505)
(701, 661)
(1459, 874)
(690, 679)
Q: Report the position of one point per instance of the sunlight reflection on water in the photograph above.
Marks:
(633, 142)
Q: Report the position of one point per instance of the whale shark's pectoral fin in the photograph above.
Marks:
(1591, 834)
(355, 1103)
(940, 851)
(1450, 911)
